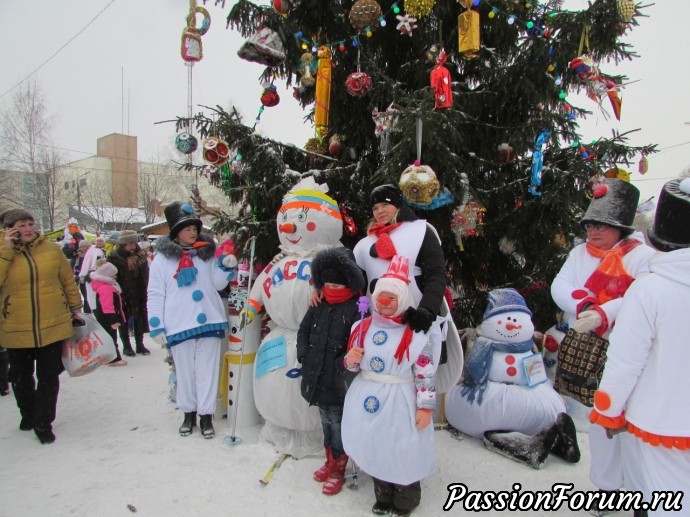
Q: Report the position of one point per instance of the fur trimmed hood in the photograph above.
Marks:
(337, 265)
(172, 250)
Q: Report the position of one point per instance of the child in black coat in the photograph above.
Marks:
(321, 347)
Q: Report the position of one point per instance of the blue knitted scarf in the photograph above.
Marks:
(478, 364)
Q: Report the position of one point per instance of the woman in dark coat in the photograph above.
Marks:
(133, 276)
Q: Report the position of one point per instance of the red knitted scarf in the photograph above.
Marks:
(335, 296)
(385, 248)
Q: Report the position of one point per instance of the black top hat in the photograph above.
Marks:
(671, 229)
(180, 215)
(614, 203)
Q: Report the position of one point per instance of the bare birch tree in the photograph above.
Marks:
(158, 184)
(27, 125)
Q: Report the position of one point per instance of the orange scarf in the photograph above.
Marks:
(385, 248)
(610, 280)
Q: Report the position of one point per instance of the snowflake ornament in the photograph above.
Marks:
(406, 24)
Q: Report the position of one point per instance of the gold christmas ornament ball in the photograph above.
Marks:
(618, 173)
(626, 10)
(419, 184)
(314, 145)
(419, 8)
(364, 13)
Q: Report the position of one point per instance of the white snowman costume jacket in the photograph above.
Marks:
(568, 290)
(407, 239)
(378, 428)
(645, 382)
(185, 311)
(569, 293)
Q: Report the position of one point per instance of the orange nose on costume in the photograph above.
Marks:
(513, 326)
(287, 228)
(384, 300)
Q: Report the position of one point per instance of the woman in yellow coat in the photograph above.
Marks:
(38, 300)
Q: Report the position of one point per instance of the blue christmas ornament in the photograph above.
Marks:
(186, 143)
(538, 162)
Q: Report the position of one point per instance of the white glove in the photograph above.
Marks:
(587, 321)
(229, 261)
(161, 339)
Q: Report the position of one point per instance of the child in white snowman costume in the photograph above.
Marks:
(505, 396)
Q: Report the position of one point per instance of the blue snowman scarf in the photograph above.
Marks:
(478, 364)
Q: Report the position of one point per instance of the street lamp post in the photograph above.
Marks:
(79, 205)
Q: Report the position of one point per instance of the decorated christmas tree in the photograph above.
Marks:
(466, 105)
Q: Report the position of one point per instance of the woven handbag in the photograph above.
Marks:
(581, 359)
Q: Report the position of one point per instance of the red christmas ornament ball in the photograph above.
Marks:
(600, 190)
(282, 6)
(270, 98)
(335, 146)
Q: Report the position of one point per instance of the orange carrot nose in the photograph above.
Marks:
(287, 228)
(513, 326)
(384, 300)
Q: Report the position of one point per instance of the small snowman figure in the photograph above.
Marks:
(505, 392)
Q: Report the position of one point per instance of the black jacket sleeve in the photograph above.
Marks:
(433, 266)
(303, 334)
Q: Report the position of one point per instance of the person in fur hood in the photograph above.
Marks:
(321, 345)
(186, 313)
(133, 276)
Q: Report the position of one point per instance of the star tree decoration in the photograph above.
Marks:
(406, 24)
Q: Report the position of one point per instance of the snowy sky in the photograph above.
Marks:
(122, 72)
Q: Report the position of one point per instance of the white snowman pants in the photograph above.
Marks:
(197, 369)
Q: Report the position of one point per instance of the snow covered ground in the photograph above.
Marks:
(117, 445)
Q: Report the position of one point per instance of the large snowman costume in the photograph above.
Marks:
(495, 393)
(307, 222)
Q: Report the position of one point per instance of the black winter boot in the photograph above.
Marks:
(206, 426)
(383, 491)
(566, 445)
(531, 450)
(4, 373)
(406, 498)
(45, 434)
(126, 343)
(141, 349)
(189, 424)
